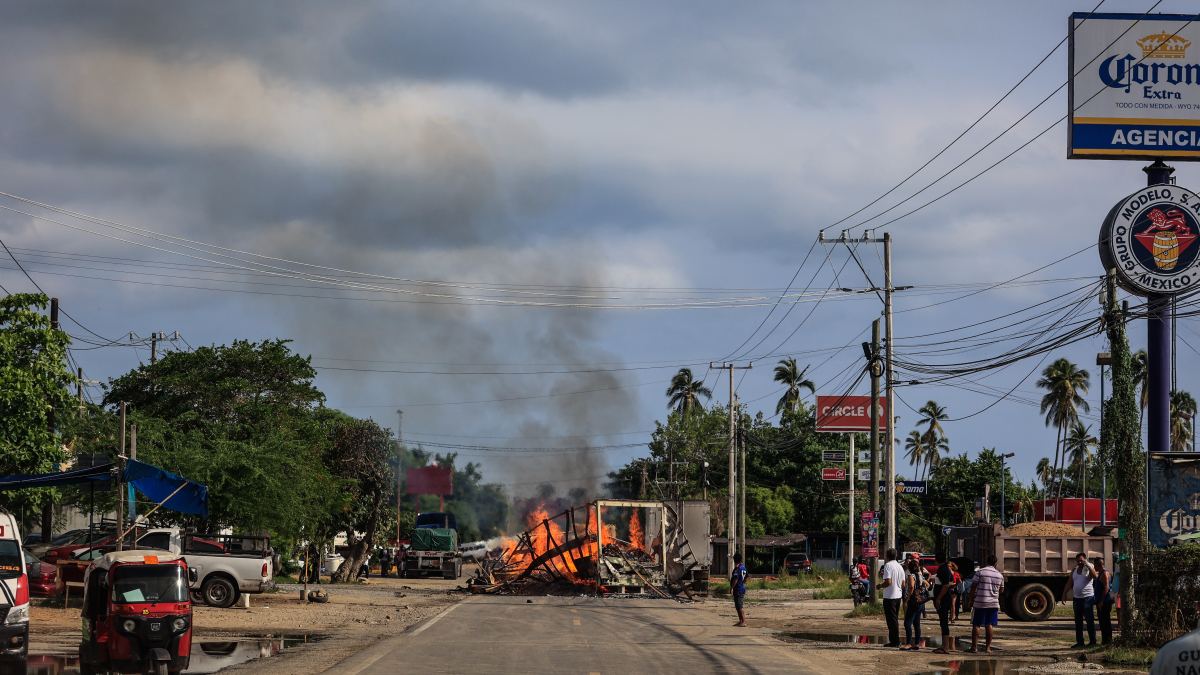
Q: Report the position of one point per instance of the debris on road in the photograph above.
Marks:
(568, 554)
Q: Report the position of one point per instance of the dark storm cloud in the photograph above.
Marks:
(451, 41)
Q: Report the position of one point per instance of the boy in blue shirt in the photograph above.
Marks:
(737, 583)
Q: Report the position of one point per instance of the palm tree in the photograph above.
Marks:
(685, 391)
(1078, 446)
(933, 415)
(791, 376)
(934, 452)
(914, 445)
(1065, 385)
(1183, 412)
(934, 438)
(1045, 473)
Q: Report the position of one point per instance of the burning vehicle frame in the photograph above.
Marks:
(578, 551)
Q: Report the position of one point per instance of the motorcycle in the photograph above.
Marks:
(858, 591)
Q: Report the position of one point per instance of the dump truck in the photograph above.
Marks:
(1036, 569)
(433, 550)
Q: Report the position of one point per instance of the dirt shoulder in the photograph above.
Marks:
(356, 616)
(852, 646)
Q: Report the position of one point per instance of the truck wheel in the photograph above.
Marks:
(219, 592)
(159, 668)
(1033, 602)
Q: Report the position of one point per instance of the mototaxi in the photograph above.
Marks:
(137, 614)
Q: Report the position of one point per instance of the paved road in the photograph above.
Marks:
(486, 634)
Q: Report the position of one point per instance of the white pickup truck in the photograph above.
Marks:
(225, 567)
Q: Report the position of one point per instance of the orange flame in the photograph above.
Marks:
(637, 538)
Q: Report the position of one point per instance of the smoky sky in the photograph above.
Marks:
(621, 145)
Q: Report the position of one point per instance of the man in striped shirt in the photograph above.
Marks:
(986, 602)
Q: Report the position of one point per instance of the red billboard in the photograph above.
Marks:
(1072, 511)
(833, 474)
(430, 480)
(848, 413)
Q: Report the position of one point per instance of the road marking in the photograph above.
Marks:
(425, 626)
(576, 622)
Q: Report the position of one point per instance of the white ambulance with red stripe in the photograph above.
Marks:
(14, 590)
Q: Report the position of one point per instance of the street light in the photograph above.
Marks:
(1004, 481)
(1102, 359)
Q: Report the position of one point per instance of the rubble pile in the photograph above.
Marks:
(568, 554)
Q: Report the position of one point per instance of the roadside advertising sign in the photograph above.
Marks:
(829, 473)
(864, 475)
(833, 455)
(1174, 489)
(906, 487)
(848, 414)
(1150, 238)
(1134, 86)
(870, 534)
(864, 456)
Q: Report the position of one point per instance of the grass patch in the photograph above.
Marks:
(1063, 611)
(866, 609)
(1128, 656)
(286, 579)
(835, 591)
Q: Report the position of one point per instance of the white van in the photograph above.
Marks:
(14, 590)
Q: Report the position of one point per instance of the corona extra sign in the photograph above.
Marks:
(1134, 86)
(1150, 239)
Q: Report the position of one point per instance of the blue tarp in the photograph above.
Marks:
(151, 481)
(158, 484)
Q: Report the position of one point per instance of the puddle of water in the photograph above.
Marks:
(209, 656)
(981, 667)
(931, 642)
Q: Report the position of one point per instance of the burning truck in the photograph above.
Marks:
(610, 546)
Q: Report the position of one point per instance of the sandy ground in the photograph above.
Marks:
(1046, 642)
(356, 616)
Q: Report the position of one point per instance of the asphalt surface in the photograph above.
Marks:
(576, 635)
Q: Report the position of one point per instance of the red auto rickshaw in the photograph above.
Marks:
(137, 614)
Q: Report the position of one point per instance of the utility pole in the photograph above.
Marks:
(889, 369)
(51, 422)
(731, 519)
(399, 473)
(1158, 348)
(742, 496)
(79, 387)
(875, 365)
(891, 394)
(121, 483)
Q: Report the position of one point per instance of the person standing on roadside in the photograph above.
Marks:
(1103, 597)
(943, 601)
(916, 594)
(865, 575)
(985, 601)
(893, 591)
(1082, 579)
(737, 584)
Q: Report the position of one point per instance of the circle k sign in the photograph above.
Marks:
(1150, 239)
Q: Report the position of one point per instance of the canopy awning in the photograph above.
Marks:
(181, 494)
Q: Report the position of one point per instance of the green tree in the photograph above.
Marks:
(357, 455)
(914, 445)
(1183, 413)
(1141, 379)
(685, 391)
(935, 441)
(1066, 385)
(1045, 473)
(242, 419)
(1078, 445)
(33, 389)
(792, 378)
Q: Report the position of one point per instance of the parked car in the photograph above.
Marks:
(796, 563)
(14, 627)
(42, 576)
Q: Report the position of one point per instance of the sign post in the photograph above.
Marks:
(847, 414)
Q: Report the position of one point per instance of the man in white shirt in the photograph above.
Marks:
(1081, 584)
(893, 591)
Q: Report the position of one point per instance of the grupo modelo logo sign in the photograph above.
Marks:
(1134, 86)
(1150, 238)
